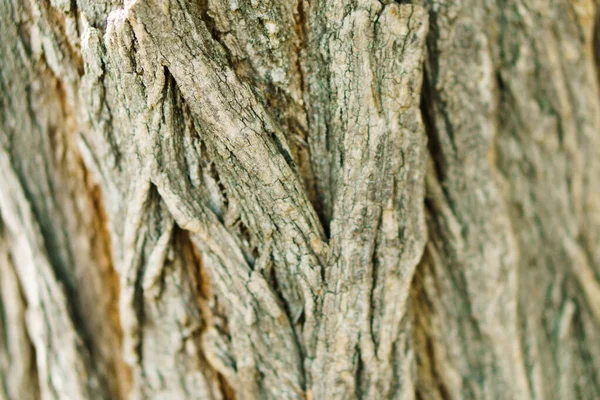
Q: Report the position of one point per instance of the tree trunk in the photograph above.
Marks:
(325, 199)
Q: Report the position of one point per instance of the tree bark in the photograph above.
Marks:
(324, 199)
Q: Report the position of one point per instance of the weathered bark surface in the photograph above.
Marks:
(331, 199)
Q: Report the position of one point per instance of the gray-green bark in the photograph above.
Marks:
(330, 199)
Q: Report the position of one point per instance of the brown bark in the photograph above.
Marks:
(329, 199)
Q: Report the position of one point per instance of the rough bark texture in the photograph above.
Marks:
(325, 199)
